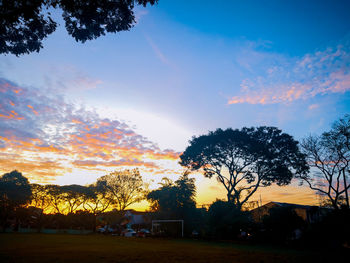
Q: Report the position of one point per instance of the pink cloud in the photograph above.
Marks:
(159, 54)
(313, 106)
(74, 136)
(321, 73)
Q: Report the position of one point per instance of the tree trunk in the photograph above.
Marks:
(94, 224)
(40, 222)
(334, 202)
(346, 190)
(229, 197)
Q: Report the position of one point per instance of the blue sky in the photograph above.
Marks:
(188, 67)
(291, 27)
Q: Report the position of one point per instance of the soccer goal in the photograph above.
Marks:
(157, 223)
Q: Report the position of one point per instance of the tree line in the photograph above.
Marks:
(243, 160)
(118, 189)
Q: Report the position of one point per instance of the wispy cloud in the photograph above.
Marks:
(139, 13)
(70, 78)
(159, 53)
(313, 106)
(58, 136)
(319, 73)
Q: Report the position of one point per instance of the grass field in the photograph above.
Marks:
(29, 248)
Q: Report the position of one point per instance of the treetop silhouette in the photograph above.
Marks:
(25, 24)
(244, 160)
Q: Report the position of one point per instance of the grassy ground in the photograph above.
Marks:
(98, 248)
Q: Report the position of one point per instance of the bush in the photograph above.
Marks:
(280, 225)
(332, 231)
(226, 221)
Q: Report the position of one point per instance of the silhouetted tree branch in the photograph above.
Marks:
(329, 155)
(24, 24)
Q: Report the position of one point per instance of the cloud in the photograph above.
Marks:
(159, 54)
(42, 170)
(46, 137)
(287, 80)
(70, 78)
(118, 163)
(313, 106)
(139, 14)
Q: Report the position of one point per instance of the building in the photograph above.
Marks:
(309, 214)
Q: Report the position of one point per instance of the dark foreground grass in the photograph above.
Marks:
(28, 248)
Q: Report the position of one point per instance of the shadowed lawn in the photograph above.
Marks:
(98, 248)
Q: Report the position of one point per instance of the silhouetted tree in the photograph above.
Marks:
(176, 200)
(244, 160)
(74, 196)
(226, 221)
(25, 23)
(57, 198)
(97, 200)
(41, 200)
(185, 193)
(329, 154)
(40, 197)
(163, 199)
(126, 187)
(15, 192)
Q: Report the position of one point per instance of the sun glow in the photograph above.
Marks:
(67, 145)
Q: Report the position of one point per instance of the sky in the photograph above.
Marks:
(74, 112)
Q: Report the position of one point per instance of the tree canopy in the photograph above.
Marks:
(244, 160)
(15, 190)
(25, 24)
(174, 199)
(97, 198)
(125, 187)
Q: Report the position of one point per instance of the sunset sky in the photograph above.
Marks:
(74, 112)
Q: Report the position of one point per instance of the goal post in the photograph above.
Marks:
(154, 222)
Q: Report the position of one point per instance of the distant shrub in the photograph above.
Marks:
(225, 221)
